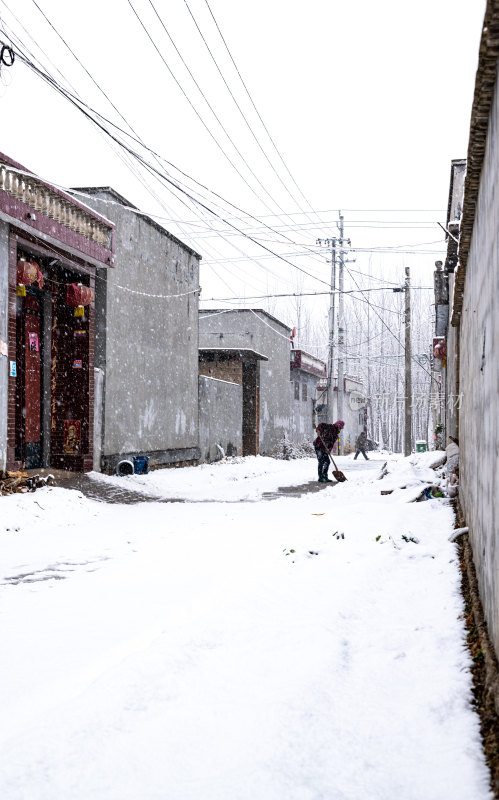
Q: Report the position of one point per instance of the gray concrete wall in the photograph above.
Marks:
(354, 424)
(353, 415)
(479, 383)
(150, 351)
(450, 375)
(4, 318)
(220, 418)
(301, 428)
(258, 331)
(98, 415)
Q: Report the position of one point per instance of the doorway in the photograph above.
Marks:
(29, 384)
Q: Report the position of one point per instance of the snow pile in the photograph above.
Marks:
(287, 450)
(413, 474)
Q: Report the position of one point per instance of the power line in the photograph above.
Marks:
(155, 155)
(82, 108)
(254, 106)
(212, 136)
(386, 326)
(174, 184)
(233, 98)
(236, 232)
(313, 294)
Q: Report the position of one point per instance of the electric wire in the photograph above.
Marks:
(248, 237)
(142, 160)
(136, 173)
(235, 101)
(222, 150)
(136, 137)
(254, 106)
(387, 327)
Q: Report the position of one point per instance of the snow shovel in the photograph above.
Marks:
(337, 473)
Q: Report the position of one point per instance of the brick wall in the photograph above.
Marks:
(231, 371)
(11, 403)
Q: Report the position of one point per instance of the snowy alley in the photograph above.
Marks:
(237, 643)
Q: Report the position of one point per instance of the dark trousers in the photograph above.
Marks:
(360, 450)
(323, 460)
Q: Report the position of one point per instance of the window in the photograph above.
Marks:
(297, 390)
(304, 391)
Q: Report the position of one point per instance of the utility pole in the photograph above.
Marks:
(369, 405)
(332, 321)
(408, 374)
(331, 415)
(331, 325)
(341, 329)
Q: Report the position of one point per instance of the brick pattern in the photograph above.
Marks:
(12, 337)
(231, 371)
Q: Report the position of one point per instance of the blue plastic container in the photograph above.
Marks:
(141, 465)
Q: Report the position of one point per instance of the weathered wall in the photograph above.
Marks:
(301, 428)
(4, 317)
(150, 351)
(450, 375)
(353, 417)
(261, 332)
(231, 371)
(225, 428)
(479, 383)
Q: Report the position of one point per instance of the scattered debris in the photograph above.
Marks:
(412, 539)
(383, 471)
(20, 482)
(428, 493)
(452, 467)
(438, 462)
(338, 535)
(221, 451)
(457, 533)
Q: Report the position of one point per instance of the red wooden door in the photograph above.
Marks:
(30, 396)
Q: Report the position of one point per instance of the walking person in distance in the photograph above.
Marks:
(361, 445)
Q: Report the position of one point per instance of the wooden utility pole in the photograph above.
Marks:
(332, 321)
(332, 329)
(341, 327)
(408, 373)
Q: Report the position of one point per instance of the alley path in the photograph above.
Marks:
(303, 648)
(92, 487)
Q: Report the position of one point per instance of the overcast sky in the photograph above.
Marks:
(357, 106)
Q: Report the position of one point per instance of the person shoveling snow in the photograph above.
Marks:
(327, 436)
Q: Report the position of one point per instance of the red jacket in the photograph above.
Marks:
(329, 434)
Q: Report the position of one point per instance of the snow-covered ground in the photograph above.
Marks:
(298, 648)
